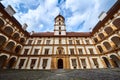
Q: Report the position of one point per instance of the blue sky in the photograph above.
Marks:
(80, 15)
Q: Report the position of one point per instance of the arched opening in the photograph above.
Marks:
(115, 60)
(11, 63)
(17, 49)
(16, 36)
(2, 40)
(1, 23)
(3, 59)
(60, 64)
(100, 49)
(107, 45)
(22, 40)
(8, 30)
(116, 22)
(106, 62)
(9, 46)
(101, 35)
(116, 40)
(108, 30)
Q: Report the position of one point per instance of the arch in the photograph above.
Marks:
(115, 60)
(2, 40)
(16, 36)
(17, 49)
(106, 62)
(116, 22)
(8, 30)
(9, 46)
(3, 59)
(107, 45)
(116, 40)
(60, 50)
(11, 63)
(101, 35)
(1, 22)
(100, 48)
(108, 30)
(60, 64)
(22, 40)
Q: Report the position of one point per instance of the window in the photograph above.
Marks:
(77, 41)
(70, 41)
(26, 51)
(60, 41)
(59, 51)
(44, 63)
(46, 51)
(80, 51)
(95, 62)
(32, 63)
(59, 33)
(48, 42)
(39, 41)
(74, 64)
(83, 63)
(87, 42)
(21, 63)
(59, 28)
(91, 51)
(36, 51)
(72, 51)
(30, 41)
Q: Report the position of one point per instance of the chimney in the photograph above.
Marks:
(10, 10)
(102, 15)
(24, 26)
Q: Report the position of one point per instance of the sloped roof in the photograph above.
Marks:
(68, 34)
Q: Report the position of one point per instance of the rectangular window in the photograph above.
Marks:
(26, 51)
(60, 41)
(32, 63)
(39, 41)
(44, 63)
(48, 42)
(83, 62)
(46, 51)
(77, 41)
(72, 51)
(36, 51)
(87, 42)
(30, 41)
(70, 41)
(74, 64)
(95, 61)
(21, 63)
(91, 51)
(59, 28)
(59, 33)
(80, 51)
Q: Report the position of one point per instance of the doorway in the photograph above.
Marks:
(60, 64)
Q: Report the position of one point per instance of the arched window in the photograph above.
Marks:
(3, 59)
(106, 62)
(16, 36)
(108, 30)
(116, 60)
(100, 49)
(116, 40)
(95, 40)
(101, 35)
(17, 49)
(8, 30)
(10, 46)
(116, 22)
(1, 23)
(107, 45)
(2, 40)
(11, 63)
